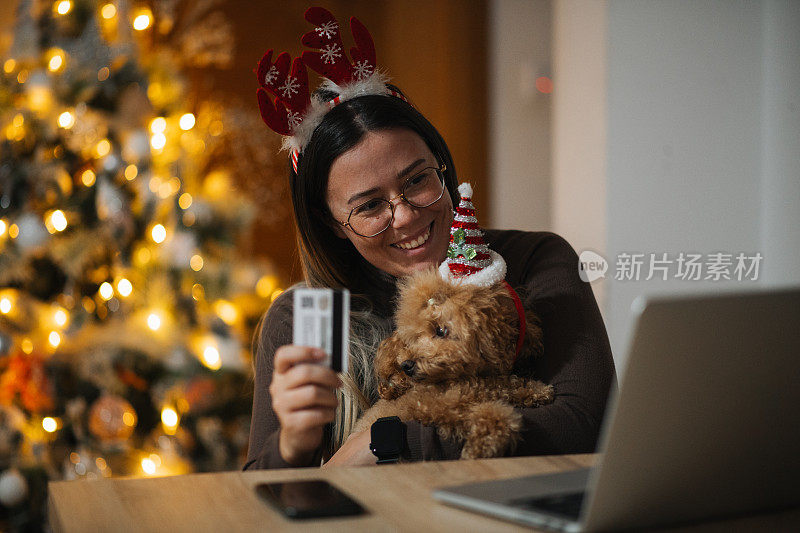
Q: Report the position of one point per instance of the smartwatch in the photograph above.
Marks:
(388, 439)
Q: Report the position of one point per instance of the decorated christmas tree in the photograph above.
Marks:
(125, 313)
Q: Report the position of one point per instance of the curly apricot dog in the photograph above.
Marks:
(450, 360)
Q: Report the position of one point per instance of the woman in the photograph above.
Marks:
(363, 152)
(359, 153)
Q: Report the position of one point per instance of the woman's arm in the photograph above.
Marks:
(273, 330)
(293, 397)
(577, 357)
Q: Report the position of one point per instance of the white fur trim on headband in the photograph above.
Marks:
(375, 84)
(494, 273)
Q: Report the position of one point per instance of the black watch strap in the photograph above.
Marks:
(388, 439)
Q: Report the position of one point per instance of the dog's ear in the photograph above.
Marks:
(392, 382)
(495, 326)
(532, 345)
(501, 326)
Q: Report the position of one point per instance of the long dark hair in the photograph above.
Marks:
(330, 261)
(327, 260)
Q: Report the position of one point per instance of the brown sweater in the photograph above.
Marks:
(577, 358)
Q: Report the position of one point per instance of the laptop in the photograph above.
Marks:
(706, 424)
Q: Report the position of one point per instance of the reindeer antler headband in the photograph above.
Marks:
(295, 114)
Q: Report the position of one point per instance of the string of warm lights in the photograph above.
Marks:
(120, 289)
(40, 98)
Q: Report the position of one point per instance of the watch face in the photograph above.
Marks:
(387, 437)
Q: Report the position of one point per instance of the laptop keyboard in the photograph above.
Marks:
(567, 505)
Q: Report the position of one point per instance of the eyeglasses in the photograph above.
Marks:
(374, 216)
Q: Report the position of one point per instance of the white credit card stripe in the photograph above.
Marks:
(313, 322)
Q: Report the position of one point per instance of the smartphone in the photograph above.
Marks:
(314, 498)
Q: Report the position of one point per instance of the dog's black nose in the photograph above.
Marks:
(408, 367)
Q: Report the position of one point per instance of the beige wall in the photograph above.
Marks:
(519, 115)
(579, 127)
(547, 152)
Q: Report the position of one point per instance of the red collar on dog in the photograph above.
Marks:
(521, 315)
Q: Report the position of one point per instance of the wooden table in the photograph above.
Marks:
(398, 498)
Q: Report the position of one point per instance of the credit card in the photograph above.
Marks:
(322, 320)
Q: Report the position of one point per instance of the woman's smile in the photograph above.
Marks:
(415, 241)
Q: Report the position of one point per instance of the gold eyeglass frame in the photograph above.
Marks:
(440, 170)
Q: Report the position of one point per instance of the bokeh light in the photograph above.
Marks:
(131, 171)
(108, 11)
(158, 125)
(187, 121)
(66, 120)
(58, 220)
(154, 321)
(158, 233)
(211, 358)
(63, 7)
(143, 19)
(49, 424)
(124, 287)
(54, 338)
(544, 85)
(185, 200)
(106, 291)
(88, 177)
(158, 141)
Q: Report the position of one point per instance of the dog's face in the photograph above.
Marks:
(447, 332)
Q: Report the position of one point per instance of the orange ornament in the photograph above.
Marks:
(25, 377)
(112, 418)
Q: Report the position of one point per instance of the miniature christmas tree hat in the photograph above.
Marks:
(469, 259)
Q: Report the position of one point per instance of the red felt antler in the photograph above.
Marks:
(363, 54)
(329, 58)
(290, 89)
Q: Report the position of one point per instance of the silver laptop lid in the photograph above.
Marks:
(706, 422)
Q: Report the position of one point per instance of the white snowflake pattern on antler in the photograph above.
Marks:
(327, 30)
(293, 119)
(290, 87)
(362, 69)
(331, 52)
(271, 75)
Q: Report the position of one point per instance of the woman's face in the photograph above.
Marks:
(378, 167)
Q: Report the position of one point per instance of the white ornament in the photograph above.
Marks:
(111, 162)
(109, 201)
(331, 52)
(13, 487)
(230, 353)
(32, 231)
(178, 361)
(363, 69)
(135, 146)
(327, 30)
(37, 80)
(290, 87)
(180, 248)
(271, 75)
